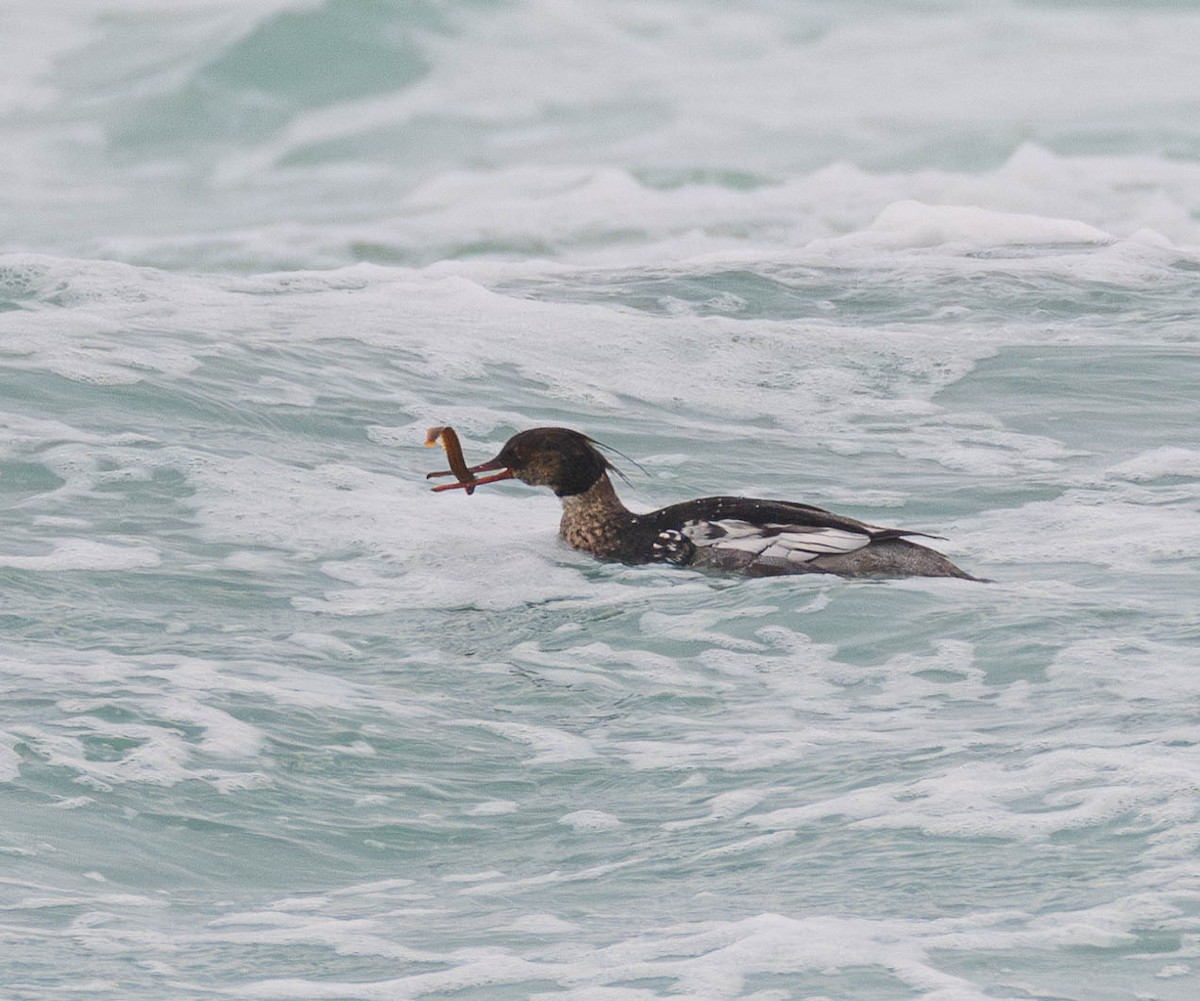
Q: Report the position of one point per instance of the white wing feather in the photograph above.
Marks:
(795, 543)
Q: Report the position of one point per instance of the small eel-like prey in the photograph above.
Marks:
(458, 465)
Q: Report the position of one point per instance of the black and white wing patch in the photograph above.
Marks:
(773, 543)
(672, 546)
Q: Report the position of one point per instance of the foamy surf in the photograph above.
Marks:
(280, 722)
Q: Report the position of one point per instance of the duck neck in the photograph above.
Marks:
(596, 520)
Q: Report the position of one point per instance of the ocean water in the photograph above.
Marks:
(278, 722)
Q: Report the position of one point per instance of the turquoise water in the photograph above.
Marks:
(280, 723)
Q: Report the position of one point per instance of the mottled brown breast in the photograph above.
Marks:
(599, 538)
(597, 522)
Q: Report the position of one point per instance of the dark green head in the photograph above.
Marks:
(564, 460)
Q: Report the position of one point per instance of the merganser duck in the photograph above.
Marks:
(754, 537)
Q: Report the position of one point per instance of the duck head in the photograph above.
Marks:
(564, 460)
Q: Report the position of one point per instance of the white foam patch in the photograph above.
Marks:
(787, 700)
(1159, 463)
(173, 723)
(83, 332)
(616, 668)
(10, 761)
(222, 734)
(1128, 670)
(761, 843)
(989, 452)
(1129, 212)
(324, 645)
(473, 877)
(273, 391)
(723, 807)
(266, 564)
(34, 46)
(493, 808)
(22, 432)
(911, 224)
(86, 554)
(384, 889)
(534, 884)
(1081, 527)
(550, 744)
(543, 924)
(73, 803)
(352, 936)
(1065, 790)
(417, 549)
(1078, 774)
(716, 959)
(797, 702)
(155, 753)
(590, 820)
